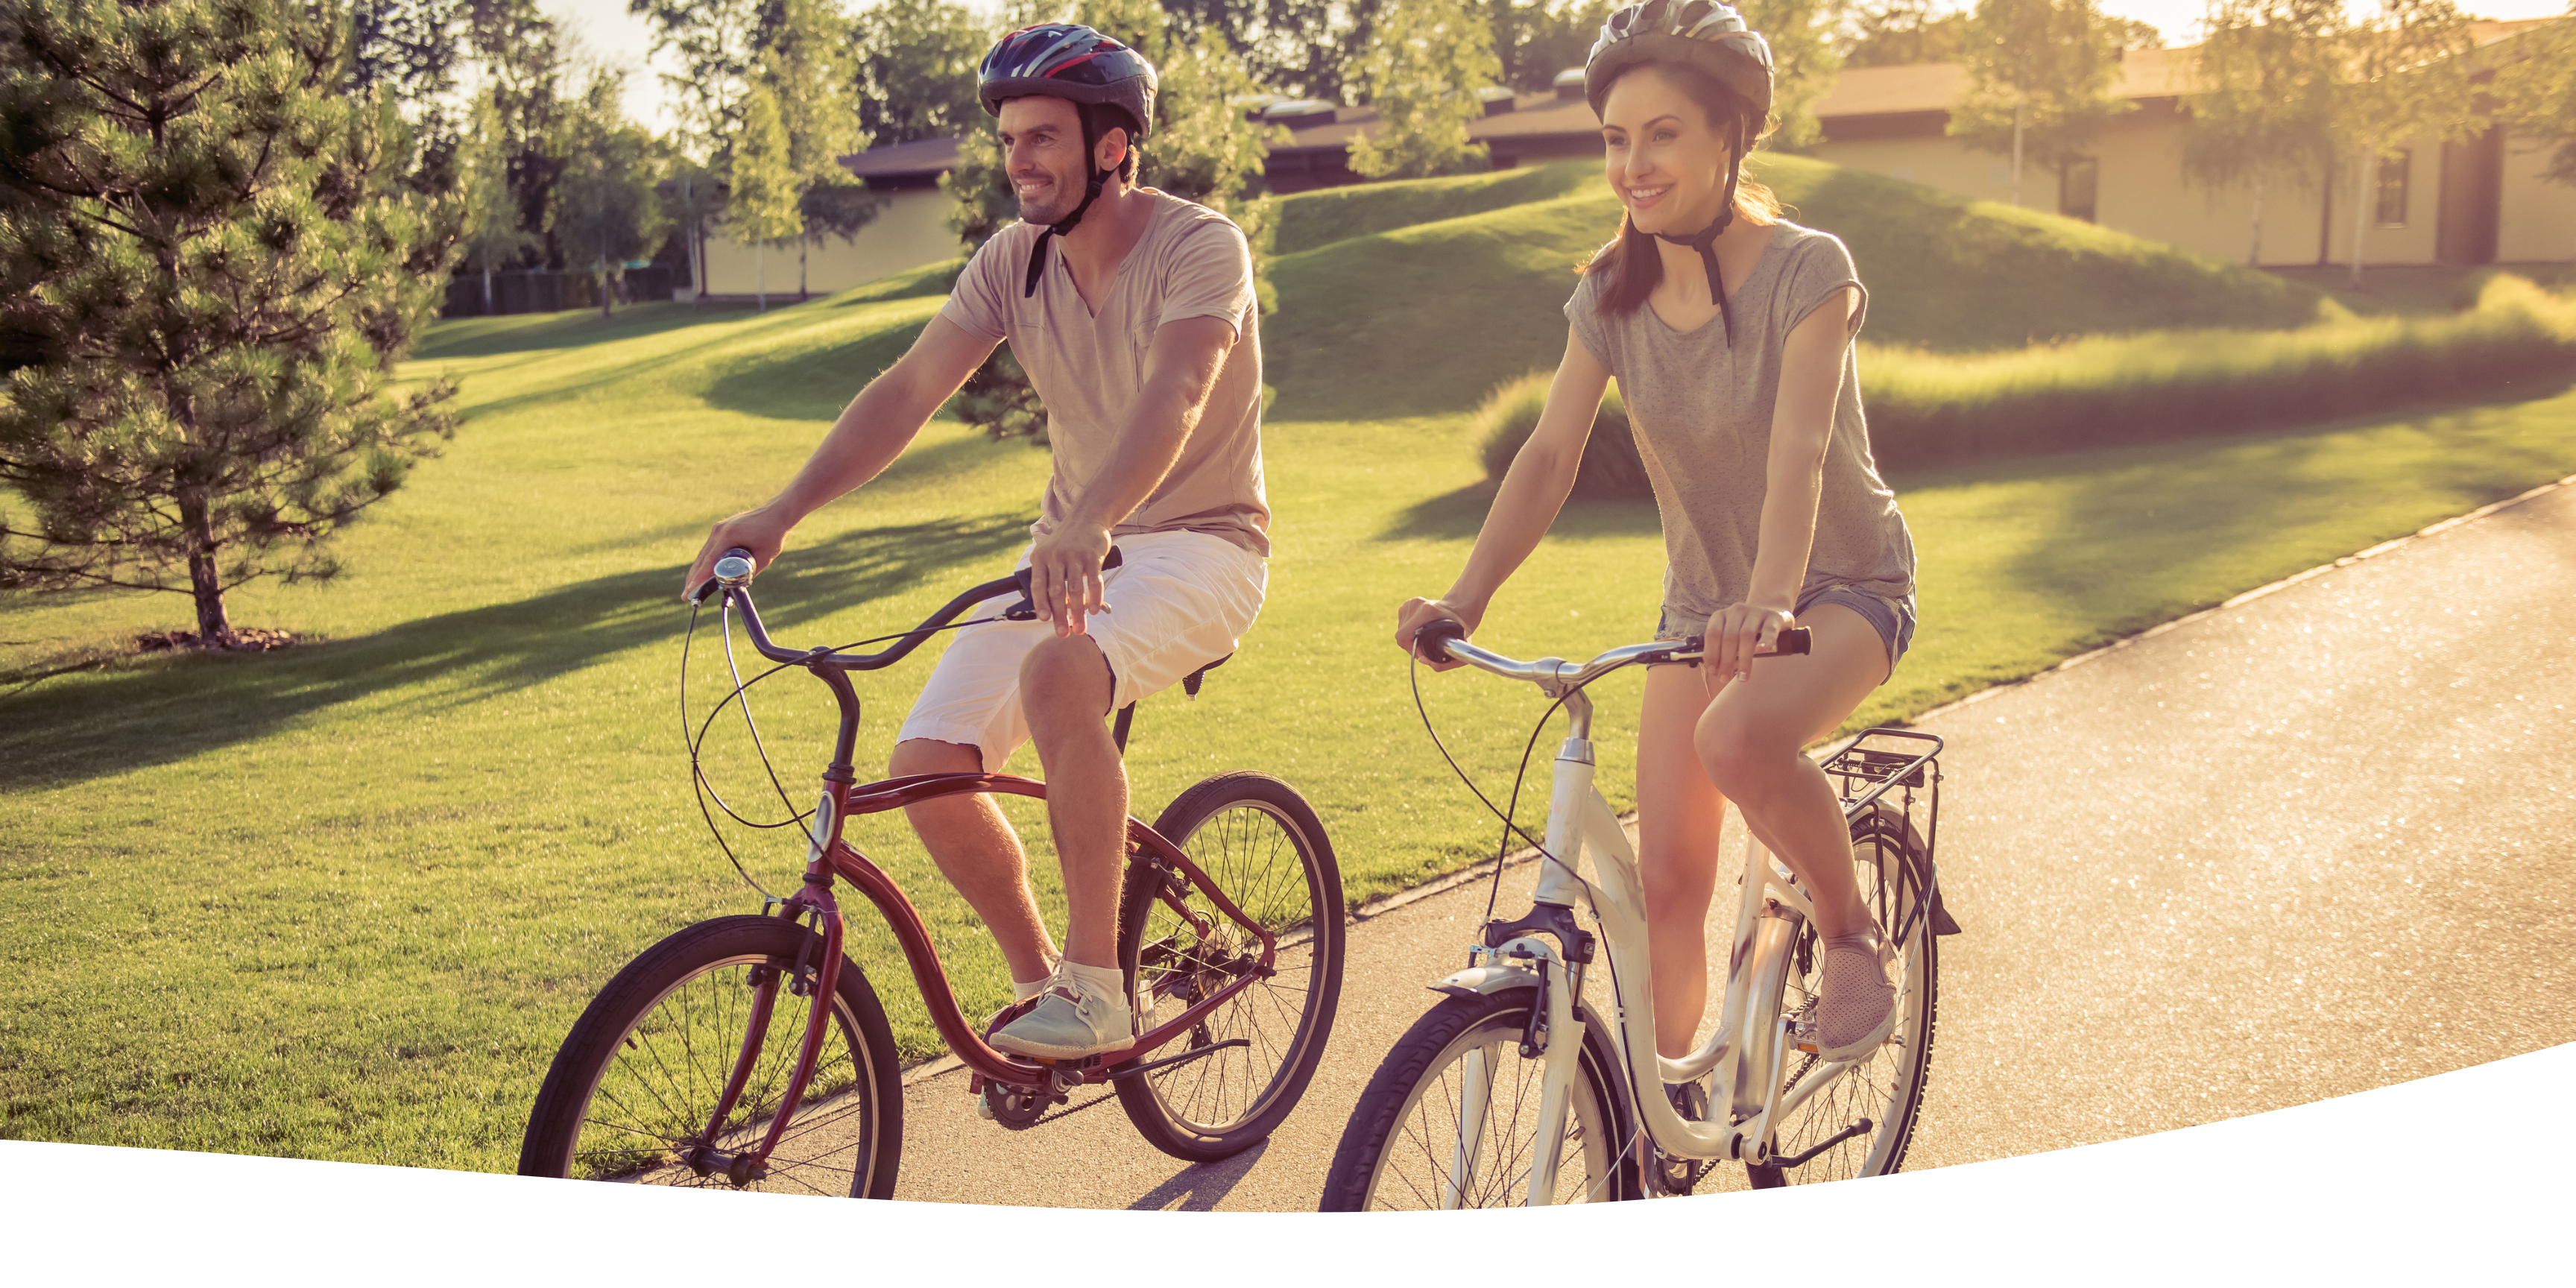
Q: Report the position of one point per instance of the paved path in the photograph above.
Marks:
(2319, 841)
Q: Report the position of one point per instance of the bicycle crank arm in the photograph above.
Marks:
(1797, 1160)
(1183, 1058)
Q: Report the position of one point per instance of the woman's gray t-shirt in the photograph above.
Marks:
(1701, 411)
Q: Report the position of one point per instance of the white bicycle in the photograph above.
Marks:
(1512, 1090)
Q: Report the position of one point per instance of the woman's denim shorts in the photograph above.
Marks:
(1893, 618)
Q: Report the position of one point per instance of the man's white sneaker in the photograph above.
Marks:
(1071, 1019)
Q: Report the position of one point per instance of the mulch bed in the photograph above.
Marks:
(240, 639)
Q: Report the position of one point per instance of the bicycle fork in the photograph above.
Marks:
(823, 979)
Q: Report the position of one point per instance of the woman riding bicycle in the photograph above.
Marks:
(1730, 332)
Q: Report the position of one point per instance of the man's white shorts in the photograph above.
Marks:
(1177, 601)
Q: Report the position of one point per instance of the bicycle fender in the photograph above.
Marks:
(1480, 981)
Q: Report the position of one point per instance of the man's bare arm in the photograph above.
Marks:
(1180, 371)
(871, 432)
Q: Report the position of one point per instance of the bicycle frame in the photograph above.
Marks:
(830, 856)
(1750, 1047)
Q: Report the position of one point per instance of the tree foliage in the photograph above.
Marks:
(2403, 74)
(2039, 79)
(763, 208)
(2535, 93)
(605, 209)
(492, 236)
(2270, 68)
(1422, 71)
(1903, 33)
(207, 233)
(914, 70)
(717, 44)
(1804, 62)
(1534, 39)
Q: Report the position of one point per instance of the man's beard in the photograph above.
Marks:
(1058, 202)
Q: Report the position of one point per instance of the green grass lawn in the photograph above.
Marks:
(344, 901)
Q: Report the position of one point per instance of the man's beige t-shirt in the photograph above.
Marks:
(1087, 364)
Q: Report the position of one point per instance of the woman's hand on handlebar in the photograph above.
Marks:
(1418, 613)
(757, 531)
(1736, 635)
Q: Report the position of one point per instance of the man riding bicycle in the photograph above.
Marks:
(1140, 333)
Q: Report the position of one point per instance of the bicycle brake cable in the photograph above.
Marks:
(1519, 777)
(703, 790)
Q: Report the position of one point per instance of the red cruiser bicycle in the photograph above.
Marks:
(748, 1052)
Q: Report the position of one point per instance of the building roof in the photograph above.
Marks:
(919, 159)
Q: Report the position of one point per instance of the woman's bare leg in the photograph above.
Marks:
(1749, 742)
(1679, 815)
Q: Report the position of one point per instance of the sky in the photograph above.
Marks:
(616, 37)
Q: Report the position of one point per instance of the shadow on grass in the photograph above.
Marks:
(1456, 516)
(2125, 519)
(62, 732)
(525, 332)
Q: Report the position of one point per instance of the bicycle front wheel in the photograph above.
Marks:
(1884, 1090)
(1403, 1149)
(632, 1091)
(1241, 1068)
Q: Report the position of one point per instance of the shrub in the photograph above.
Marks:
(1931, 410)
(1610, 468)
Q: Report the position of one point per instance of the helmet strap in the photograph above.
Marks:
(1091, 193)
(1705, 240)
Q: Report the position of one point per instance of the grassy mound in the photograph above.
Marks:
(1307, 220)
(1428, 318)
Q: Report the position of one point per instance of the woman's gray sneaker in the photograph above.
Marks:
(1856, 1006)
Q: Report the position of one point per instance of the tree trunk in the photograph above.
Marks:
(2254, 252)
(759, 278)
(487, 290)
(2016, 171)
(204, 582)
(2325, 212)
(800, 270)
(2361, 207)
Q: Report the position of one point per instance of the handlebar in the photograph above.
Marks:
(733, 575)
(1445, 639)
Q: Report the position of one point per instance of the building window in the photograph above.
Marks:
(2391, 192)
(2079, 181)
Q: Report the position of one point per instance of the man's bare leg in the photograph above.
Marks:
(1064, 693)
(978, 852)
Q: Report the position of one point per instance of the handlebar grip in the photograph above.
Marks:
(1789, 643)
(1427, 641)
(1027, 610)
(733, 568)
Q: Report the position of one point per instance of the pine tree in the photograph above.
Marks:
(492, 235)
(1423, 71)
(209, 236)
(762, 207)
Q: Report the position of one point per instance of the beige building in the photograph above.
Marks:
(2480, 202)
(910, 230)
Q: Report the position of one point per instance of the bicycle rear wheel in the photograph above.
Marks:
(1261, 844)
(632, 1090)
(1401, 1149)
(1884, 1090)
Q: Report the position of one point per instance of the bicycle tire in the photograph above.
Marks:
(637, 1079)
(1261, 843)
(1398, 1151)
(1886, 1089)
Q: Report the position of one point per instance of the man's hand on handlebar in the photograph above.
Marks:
(757, 531)
(1418, 613)
(1064, 575)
